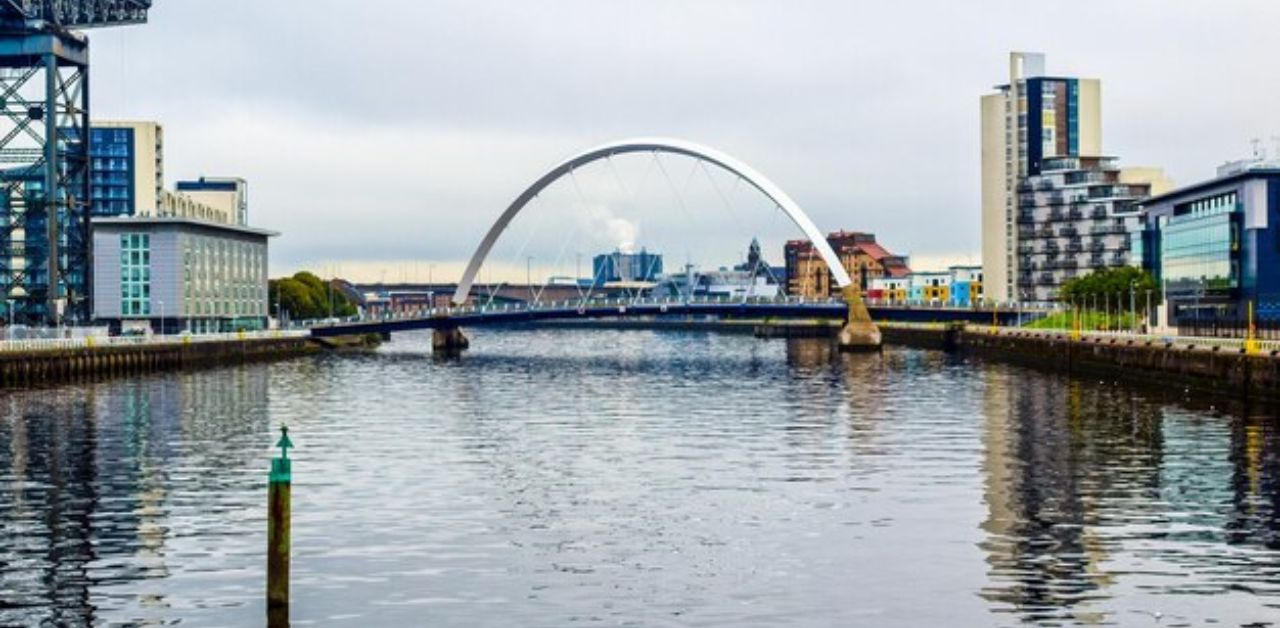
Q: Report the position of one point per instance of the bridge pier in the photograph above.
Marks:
(449, 340)
(859, 332)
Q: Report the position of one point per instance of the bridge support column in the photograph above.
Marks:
(859, 333)
(449, 340)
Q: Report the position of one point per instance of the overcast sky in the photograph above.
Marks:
(381, 135)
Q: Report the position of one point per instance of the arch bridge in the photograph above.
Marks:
(859, 331)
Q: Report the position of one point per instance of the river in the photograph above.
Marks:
(560, 477)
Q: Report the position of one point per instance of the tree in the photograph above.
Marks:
(306, 296)
(1108, 283)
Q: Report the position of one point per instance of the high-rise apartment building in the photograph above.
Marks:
(1030, 119)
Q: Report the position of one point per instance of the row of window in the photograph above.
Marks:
(135, 274)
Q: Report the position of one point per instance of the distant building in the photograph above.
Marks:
(966, 286)
(891, 290)
(620, 267)
(227, 194)
(1215, 246)
(1074, 218)
(1053, 207)
(173, 261)
(176, 274)
(807, 275)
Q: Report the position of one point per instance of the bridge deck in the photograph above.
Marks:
(505, 315)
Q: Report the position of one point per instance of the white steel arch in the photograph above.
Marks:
(654, 145)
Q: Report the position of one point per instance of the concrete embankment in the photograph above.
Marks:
(42, 365)
(1203, 365)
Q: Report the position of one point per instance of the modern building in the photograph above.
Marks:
(929, 288)
(1053, 206)
(891, 290)
(958, 286)
(126, 175)
(1214, 246)
(173, 274)
(227, 194)
(807, 274)
(126, 167)
(966, 286)
(1074, 217)
(169, 261)
(1032, 118)
(620, 267)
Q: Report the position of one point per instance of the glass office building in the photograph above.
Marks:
(1214, 247)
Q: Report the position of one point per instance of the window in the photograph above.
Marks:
(135, 274)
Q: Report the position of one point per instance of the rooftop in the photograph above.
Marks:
(178, 221)
(1194, 188)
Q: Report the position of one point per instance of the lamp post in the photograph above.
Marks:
(1133, 308)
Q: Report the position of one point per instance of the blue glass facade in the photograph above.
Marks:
(111, 170)
(1215, 246)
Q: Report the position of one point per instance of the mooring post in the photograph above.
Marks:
(279, 489)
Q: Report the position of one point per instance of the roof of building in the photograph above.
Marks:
(179, 221)
(1211, 183)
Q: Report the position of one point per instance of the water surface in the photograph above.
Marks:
(577, 477)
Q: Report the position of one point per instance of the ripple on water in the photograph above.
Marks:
(638, 478)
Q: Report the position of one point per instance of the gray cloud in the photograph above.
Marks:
(396, 131)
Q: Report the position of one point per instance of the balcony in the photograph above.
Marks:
(1075, 246)
(1068, 232)
(1075, 214)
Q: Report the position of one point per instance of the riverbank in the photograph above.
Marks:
(1206, 364)
(45, 362)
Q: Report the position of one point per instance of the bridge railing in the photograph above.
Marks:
(90, 342)
(550, 305)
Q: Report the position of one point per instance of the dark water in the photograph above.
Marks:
(555, 478)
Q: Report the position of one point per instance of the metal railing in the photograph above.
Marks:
(1130, 337)
(91, 342)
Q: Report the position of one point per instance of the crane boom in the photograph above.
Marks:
(76, 14)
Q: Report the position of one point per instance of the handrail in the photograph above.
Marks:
(91, 342)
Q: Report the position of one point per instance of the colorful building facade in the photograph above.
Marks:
(861, 256)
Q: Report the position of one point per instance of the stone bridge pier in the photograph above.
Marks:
(859, 332)
(449, 340)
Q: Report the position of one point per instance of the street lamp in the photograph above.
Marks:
(1133, 308)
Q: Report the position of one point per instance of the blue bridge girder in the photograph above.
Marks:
(498, 315)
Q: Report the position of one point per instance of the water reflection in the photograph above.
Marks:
(634, 477)
(86, 498)
(1099, 496)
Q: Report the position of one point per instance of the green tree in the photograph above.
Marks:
(1109, 283)
(306, 296)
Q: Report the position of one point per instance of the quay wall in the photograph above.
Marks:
(1193, 364)
(38, 367)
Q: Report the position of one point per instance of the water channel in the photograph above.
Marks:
(580, 477)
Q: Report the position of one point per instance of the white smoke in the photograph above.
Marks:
(603, 224)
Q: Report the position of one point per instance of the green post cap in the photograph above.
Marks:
(284, 444)
(282, 467)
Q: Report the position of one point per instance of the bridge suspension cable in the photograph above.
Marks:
(654, 145)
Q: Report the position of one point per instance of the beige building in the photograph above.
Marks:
(1031, 118)
(127, 179)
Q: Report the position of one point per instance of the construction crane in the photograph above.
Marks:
(45, 201)
(75, 14)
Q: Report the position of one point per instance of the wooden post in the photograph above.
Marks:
(279, 489)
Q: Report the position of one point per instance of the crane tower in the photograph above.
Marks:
(44, 154)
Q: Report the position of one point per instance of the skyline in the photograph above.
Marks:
(394, 156)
